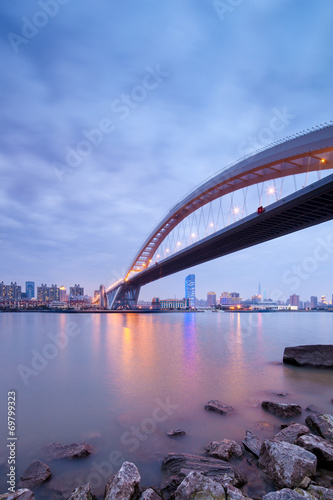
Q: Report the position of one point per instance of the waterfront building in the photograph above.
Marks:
(62, 294)
(10, 292)
(294, 300)
(211, 299)
(190, 289)
(30, 289)
(76, 290)
(175, 303)
(313, 302)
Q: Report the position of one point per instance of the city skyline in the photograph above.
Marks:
(79, 194)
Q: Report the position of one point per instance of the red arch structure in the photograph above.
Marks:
(305, 152)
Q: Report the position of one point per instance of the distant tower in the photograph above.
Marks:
(102, 296)
(190, 289)
(259, 290)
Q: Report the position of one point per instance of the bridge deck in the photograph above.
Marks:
(308, 207)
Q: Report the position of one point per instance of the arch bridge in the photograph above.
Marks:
(273, 192)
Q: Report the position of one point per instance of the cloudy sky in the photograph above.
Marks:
(112, 111)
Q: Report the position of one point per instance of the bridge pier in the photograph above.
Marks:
(123, 297)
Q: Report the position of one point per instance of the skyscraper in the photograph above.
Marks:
(190, 289)
(30, 289)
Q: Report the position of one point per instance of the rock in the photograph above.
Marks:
(252, 443)
(125, 484)
(318, 356)
(196, 485)
(36, 473)
(286, 464)
(82, 493)
(314, 409)
(320, 447)
(57, 450)
(281, 409)
(291, 433)
(150, 494)
(320, 492)
(285, 494)
(170, 485)
(224, 449)
(179, 465)
(176, 433)
(234, 493)
(280, 394)
(323, 424)
(219, 407)
(20, 494)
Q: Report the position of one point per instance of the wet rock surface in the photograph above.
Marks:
(36, 473)
(322, 424)
(57, 451)
(125, 484)
(320, 447)
(218, 407)
(20, 494)
(252, 443)
(291, 433)
(224, 449)
(284, 494)
(176, 433)
(82, 493)
(178, 466)
(150, 494)
(196, 485)
(286, 464)
(282, 409)
(318, 356)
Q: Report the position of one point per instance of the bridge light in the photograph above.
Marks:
(260, 210)
(167, 250)
(271, 190)
(236, 210)
(323, 160)
(178, 243)
(211, 224)
(193, 235)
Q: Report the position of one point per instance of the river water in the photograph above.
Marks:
(121, 381)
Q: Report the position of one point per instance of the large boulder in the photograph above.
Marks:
(224, 449)
(252, 443)
(179, 465)
(36, 473)
(320, 447)
(20, 494)
(291, 433)
(322, 424)
(196, 485)
(74, 450)
(286, 464)
(285, 494)
(125, 484)
(282, 409)
(319, 356)
(82, 493)
(218, 407)
(234, 493)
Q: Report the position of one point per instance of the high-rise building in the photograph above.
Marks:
(102, 298)
(225, 299)
(313, 302)
(190, 289)
(76, 290)
(10, 292)
(294, 300)
(211, 299)
(30, 289)
(259, 290)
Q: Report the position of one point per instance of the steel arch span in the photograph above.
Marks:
(304, 153)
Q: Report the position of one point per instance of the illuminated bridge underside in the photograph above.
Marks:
(306, 153)
(308, 207)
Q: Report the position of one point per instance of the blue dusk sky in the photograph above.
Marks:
(87, 170)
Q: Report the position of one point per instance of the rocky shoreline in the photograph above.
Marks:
(296, 462)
